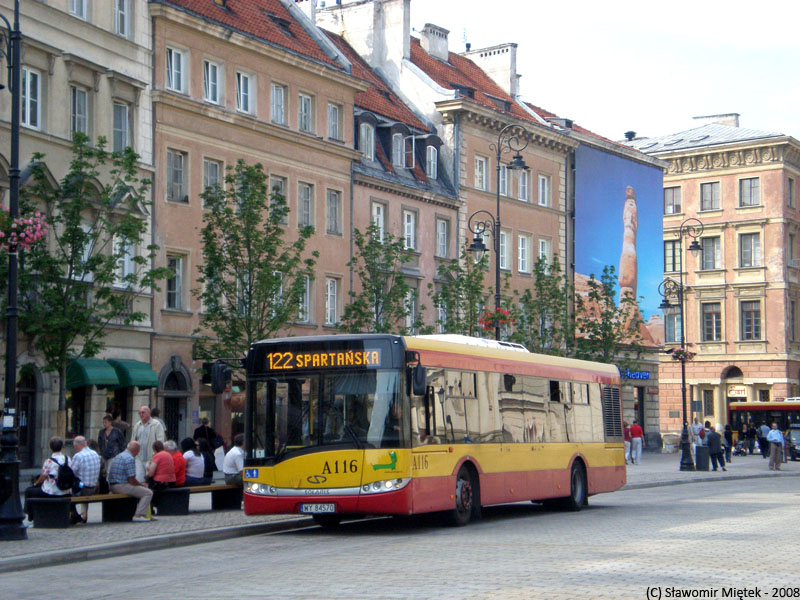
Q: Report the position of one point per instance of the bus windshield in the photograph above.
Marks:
(361, 409)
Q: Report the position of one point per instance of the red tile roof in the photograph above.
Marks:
(379, 98)
(267, 20)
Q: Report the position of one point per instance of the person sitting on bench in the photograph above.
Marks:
(122, 480)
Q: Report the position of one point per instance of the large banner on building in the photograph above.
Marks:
(618, 222)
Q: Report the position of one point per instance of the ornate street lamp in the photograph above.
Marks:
(11, 527)
(512, 138)
(673, 293)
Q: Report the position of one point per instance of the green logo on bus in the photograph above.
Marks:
(392, 464)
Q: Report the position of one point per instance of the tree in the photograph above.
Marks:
(253, 280)
(542, 317)
(94, 263)
(461, 294)
(607, 332)
(386, 302)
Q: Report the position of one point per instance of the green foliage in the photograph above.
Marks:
(606, 332)
(73, 287)
(542, 312)
(252, 279)
(461, 293)
(382, 305)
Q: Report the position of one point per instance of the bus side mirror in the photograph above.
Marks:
(220, 376)
(419, 379)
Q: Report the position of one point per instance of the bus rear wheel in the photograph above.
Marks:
(467, 499)
(327, 521)
(578, 488)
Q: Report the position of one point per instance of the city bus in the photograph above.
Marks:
(355, 425)
(785, 414)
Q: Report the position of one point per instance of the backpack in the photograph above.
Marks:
(65, 479)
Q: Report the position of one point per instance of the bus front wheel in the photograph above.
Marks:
(467, 498)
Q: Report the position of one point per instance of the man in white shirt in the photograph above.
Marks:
(234, 461)
(146, 431)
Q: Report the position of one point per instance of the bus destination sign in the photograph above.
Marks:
(323, 359)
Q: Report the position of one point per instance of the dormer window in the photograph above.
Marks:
(398, 154)
(366, 140)
(432, 162)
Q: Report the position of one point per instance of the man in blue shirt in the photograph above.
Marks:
(775, 439)
(86, 466)
(122, 480)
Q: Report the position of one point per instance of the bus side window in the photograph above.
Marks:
(555, 391)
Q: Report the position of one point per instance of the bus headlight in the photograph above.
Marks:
(388, 485)
(261, 489)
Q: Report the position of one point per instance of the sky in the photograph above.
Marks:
(648, 67)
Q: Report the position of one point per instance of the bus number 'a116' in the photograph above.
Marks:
(340, 466)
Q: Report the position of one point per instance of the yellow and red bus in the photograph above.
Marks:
(378, 424)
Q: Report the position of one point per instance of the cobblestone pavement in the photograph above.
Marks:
(88, 541)
(704, 537)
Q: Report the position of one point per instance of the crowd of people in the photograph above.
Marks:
(142, 466)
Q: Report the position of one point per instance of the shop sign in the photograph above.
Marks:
(737, 391)
(628, 374)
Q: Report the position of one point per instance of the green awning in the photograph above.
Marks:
(134, 372)
(91, 371)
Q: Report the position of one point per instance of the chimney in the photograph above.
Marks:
(434, 41)
(500, 63)
(727, 119)
(630, 135)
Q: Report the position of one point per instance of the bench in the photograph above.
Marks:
(175, 501)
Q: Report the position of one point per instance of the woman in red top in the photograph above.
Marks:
(178, 461)
(161, 472)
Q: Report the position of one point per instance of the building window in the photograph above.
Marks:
(672, 256)
(672, 328)
(790, 249)
(277, 185)
(750, 320)
(245, 101)
(331, 301)
(709, 196)
(441, 317)
(175, 67)
(672, 200)
(122, 126)
(524, 254)
(442, 237)
(749, 192)
(243, 295)
(305, 205)
(504, 250)
(711, 257)
(410, 229)
(176, 176)
(366, 140)
(524, 180)
(379, 219)
(211, 174)
(411, 310)
(750, 250)
(211, 82)
(333, 212)
(763, 395)
(790, 192)
(31, 95)
(334, 122)
(79, 113)
(708, 403)
(432, 162)
(480, 172)
(278, 104)
(503, 180)
(126, 265)
(303, 312)
(305, 113)
(544, 190)
(78, 8)
(175, 282)
(712, 321)
(122, 17)
(544, 249)
(792, 320)
(398, 154)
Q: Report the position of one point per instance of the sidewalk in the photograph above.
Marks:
(104, 540)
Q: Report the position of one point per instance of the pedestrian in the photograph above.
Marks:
(45, 485)
(626, 438)
(728, 443)
(750, 436)
(637, 443)
(787, 443)
(763, 442)
(195, 464)
(161, 472)
(86, 465)
(122, 480)
(146, 431)
(714, 443)
(234, 461)
(205, 432)
(209, 466)
(775, 439)
(123, 426)
(178, 462)
(110, 440)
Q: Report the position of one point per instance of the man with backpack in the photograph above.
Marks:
(56, 478)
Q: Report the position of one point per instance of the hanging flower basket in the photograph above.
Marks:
(21, 233)
(681, 354)
(490, 319)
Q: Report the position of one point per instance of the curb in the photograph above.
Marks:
(171, 540)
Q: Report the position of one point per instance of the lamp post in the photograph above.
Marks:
(11, 527)
(513, 138)
(669, 289)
